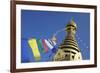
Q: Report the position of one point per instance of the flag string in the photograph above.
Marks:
(81, 41)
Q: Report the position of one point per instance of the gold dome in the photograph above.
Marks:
(71, 23)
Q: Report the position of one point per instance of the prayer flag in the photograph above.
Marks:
(40, 45)
(34, 46)
(45, 45)
(52, 45)
(48, 44)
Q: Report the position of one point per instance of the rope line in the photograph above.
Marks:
(56, 33)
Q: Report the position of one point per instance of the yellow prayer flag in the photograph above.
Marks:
(35, 50)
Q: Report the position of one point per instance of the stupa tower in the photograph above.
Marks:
(69, 50)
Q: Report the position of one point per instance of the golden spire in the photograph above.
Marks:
(69, 50)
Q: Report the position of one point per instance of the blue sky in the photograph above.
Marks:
(43, 24)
